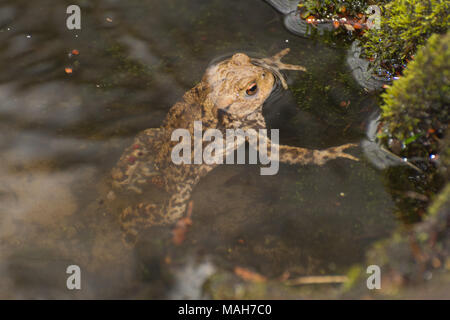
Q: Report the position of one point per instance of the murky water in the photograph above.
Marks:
(60, 134)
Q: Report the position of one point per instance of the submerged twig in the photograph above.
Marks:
(316, 280)
(401, 159)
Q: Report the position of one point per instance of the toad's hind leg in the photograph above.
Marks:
(134, 219)
(136, 166)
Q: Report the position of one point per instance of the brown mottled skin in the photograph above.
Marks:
(226, 98)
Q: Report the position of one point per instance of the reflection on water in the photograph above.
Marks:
(61, 133)
(375, 153)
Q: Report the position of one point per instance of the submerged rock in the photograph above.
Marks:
(294, 23)
(284, 6)
(363, 73)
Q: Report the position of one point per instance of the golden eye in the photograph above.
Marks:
(252, 89)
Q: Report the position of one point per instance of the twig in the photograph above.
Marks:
(400, 159)
(316, 280)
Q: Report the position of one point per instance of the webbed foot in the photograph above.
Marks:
(134, 219)
(323, 156)
(274, 64)
(276, 61)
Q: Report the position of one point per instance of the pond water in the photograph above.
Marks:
(61, 133)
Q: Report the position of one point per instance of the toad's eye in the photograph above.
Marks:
(252, 89)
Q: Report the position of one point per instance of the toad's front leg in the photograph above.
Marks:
(297, 155)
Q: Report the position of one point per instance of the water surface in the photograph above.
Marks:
(60, 135)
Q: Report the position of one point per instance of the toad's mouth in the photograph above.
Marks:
(274, 66)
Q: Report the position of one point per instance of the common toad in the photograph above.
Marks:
(230, 96)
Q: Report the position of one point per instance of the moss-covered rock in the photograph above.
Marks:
(333, 8)
(445, 157)
(405, 25)
(411, 257)
(415, 112)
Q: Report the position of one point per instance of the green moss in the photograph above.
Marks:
(332, 8)
(405, 25)
(442, 202)
(445, 156)
(416, 108)
(355, 275)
